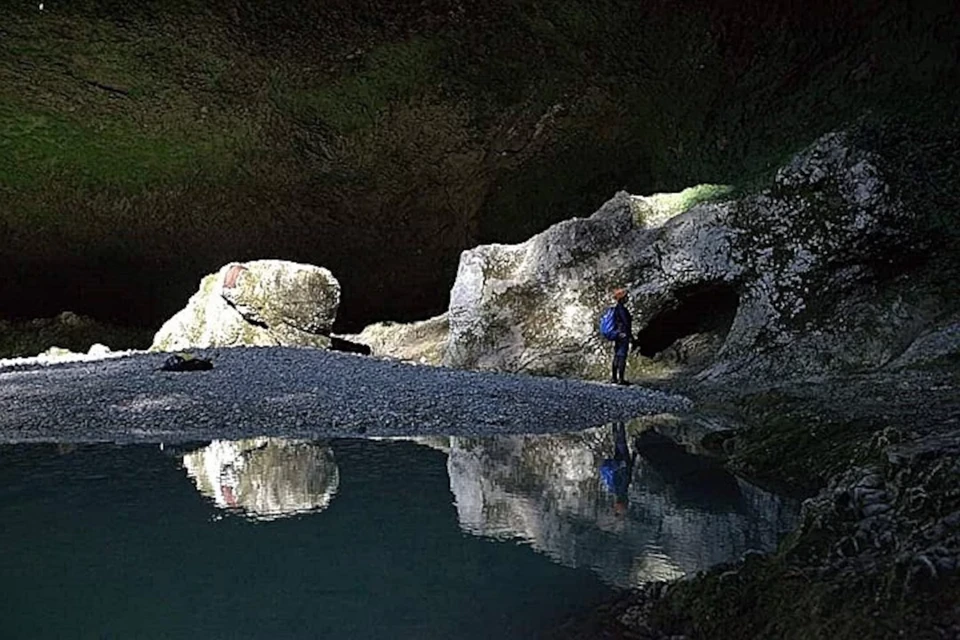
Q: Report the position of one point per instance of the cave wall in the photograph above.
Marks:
(145, 144)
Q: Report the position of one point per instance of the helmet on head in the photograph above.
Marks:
(619, 294)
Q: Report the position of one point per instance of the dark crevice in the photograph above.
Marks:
(339, 344)
(257, 323)
(701, 309)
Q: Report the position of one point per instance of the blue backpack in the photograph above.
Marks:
(608, 471)
(608, 328)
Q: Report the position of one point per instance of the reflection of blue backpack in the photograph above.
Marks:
(608, 328)
(608, 471)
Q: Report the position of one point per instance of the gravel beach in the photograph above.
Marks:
(296, 393)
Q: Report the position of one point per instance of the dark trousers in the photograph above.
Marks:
(620, 348)
(621, 452)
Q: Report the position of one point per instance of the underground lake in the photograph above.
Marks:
(467, 537)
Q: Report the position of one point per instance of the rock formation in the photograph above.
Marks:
(258, 303)
(66, 336)
(791, 280)
(266, 478)
(424, 342)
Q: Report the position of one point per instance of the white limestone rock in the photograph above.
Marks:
(258, 303)
(422, 342)
(784, 259)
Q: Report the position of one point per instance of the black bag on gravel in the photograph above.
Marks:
(186, 362)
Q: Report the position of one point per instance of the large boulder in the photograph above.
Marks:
(792, 280)
(258, 303)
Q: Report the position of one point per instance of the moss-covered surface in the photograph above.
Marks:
(32, 337)
(663, 206)
(144, 145)
(791, 444)
(774, 597)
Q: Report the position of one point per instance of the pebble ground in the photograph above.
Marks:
(296, 393)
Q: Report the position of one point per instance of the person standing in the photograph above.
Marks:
(623, 326)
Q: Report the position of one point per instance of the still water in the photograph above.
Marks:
(434, 538)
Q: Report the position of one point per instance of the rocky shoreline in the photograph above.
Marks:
(298, 393)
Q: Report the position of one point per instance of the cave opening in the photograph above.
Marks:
(701, 310)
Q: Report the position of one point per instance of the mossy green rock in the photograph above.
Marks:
(73, 333)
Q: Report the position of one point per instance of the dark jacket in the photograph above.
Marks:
(622, 320)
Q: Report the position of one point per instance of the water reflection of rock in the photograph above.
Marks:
(267, 478)
(683, 515)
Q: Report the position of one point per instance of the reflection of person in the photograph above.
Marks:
(617, 472)
(623, 325)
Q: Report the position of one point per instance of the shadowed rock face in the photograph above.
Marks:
(265, 478)
(707, 309)
(149, 143)
(782, 282)
(684, 514)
